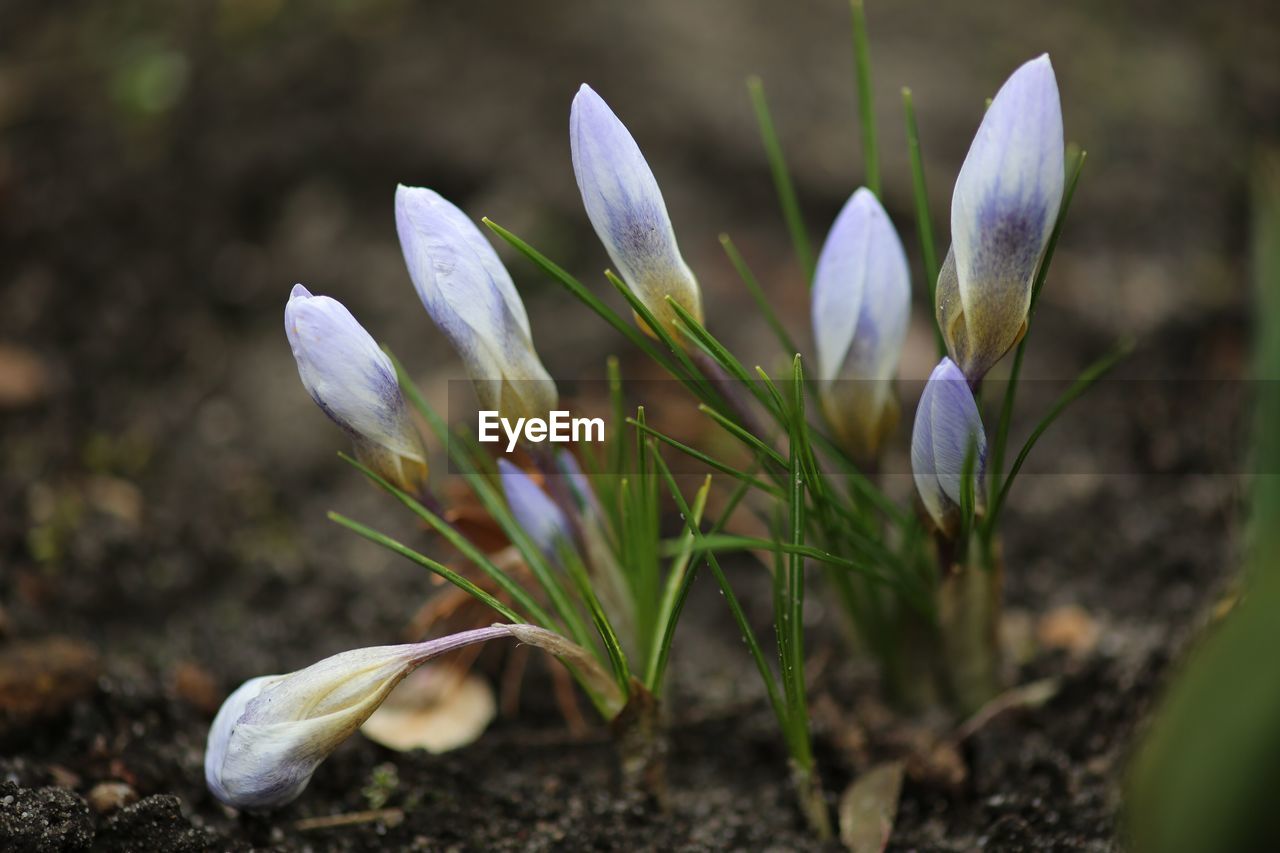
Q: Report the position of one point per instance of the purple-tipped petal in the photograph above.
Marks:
(1002, 211)
(348, 375)
(534, 510)
(470, 296)
(947, 424)
(626, 209)
(860, 307)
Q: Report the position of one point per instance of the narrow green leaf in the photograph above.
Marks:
(1082, 384)
(782, 179)
(866, 107)
(426, 562)
(710, 462)
(675, 592)
(924, 222)
(577, 571)
(628, 330)
(757, 293)
(735, 608)
(462, 544)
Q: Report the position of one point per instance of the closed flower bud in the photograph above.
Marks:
(947, 426)
(626, 209)
(861, 300)
(272, 732)
(470, 296)
(354, 382)
(534, 510)
(1002, 212)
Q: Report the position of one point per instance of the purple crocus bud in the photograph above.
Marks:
(470, 296)
(354, 382)
(534, 510)
(947, 425)
(861, 300)
(272, 733)
(627, 211)
(1002, 211)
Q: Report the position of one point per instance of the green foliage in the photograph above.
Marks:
(1205, 775)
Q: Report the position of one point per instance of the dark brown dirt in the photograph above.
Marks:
(163, 478)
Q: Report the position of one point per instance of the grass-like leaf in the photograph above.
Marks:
(1082, 384)
(924, 221)
(757, 293)
(426, 562)
(866, 106)
(782, 179)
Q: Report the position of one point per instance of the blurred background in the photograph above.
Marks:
(168, 171)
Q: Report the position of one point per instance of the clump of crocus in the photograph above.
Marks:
(626, 209)
(470, 296)
(948, 431)
(354, 382)
(272, 733)
(861, 302)
(1003, 208)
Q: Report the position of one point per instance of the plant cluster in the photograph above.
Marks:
(588, 575)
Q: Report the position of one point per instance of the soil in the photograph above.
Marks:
(164, 178)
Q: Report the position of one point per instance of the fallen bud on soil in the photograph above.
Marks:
(272, 732)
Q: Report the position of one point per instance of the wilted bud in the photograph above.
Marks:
(861, 300)
(626, 208)
(947, 426)
(354, 382)
(272, 732)
(534, 510)
(470, 296)
(1002, 211)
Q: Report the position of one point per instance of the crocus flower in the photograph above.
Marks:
(626, 209)
(354, 382)
(470, 296)
(273, 731)
(947, 425)
(861, 299)
(534, 510)
(1005, 202)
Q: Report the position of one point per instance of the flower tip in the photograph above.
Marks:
(299, 292)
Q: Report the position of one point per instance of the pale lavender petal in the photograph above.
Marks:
(861, 302)
(956, 426)
(470, 296)
(272, 732)
(1002, 211)
(626, 207)
(947, 425)
(534, 510)
(347, 374)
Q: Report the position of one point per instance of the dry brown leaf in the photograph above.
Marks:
(435, 709)
(869, 806)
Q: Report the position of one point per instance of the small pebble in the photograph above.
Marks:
(106, 797)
